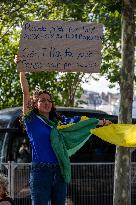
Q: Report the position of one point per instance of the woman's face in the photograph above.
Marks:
(44, 104)
(2, 191)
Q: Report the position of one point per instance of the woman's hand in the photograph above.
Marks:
(104, 122)
(17, 59)
(24, 86)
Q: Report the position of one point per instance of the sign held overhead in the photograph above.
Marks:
(60, 46)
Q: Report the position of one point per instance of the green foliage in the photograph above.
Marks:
(109, 14)
(70, 87)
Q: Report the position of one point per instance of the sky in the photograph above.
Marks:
(100, 86)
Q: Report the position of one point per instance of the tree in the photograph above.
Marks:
(16, 12)
(122, 176)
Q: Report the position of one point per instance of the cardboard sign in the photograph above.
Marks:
(60, 46)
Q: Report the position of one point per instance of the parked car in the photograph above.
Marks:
(15, 147)
(13, 137)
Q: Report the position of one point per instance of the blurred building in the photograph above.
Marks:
(116, 108)
(99, 101)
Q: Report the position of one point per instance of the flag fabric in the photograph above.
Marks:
(117, 134)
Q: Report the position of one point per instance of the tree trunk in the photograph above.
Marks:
(122, 173)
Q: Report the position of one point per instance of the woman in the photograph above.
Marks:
(51, 144)
(4, 198)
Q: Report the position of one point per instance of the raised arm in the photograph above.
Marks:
(25, 91)
(24, 87)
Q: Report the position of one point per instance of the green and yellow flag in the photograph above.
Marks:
(118, 134)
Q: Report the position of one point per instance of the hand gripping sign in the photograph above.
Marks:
(61, 46)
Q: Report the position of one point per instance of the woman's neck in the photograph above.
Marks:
(45, 115)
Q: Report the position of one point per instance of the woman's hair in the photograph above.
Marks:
(52, 115)
(4, 182)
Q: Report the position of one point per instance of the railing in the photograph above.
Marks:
(92, 183)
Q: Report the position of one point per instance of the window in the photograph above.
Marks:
(19, 147)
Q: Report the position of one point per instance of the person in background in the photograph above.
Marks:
(4, 197)
(53, 139)
(24, 155)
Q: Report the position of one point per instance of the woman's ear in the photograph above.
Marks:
(35, 104)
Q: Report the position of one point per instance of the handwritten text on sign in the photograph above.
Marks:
(61, 46)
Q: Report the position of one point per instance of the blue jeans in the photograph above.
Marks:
(47, 184)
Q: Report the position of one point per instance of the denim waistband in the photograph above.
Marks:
(41, 165)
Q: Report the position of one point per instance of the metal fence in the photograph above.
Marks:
(92, 183)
